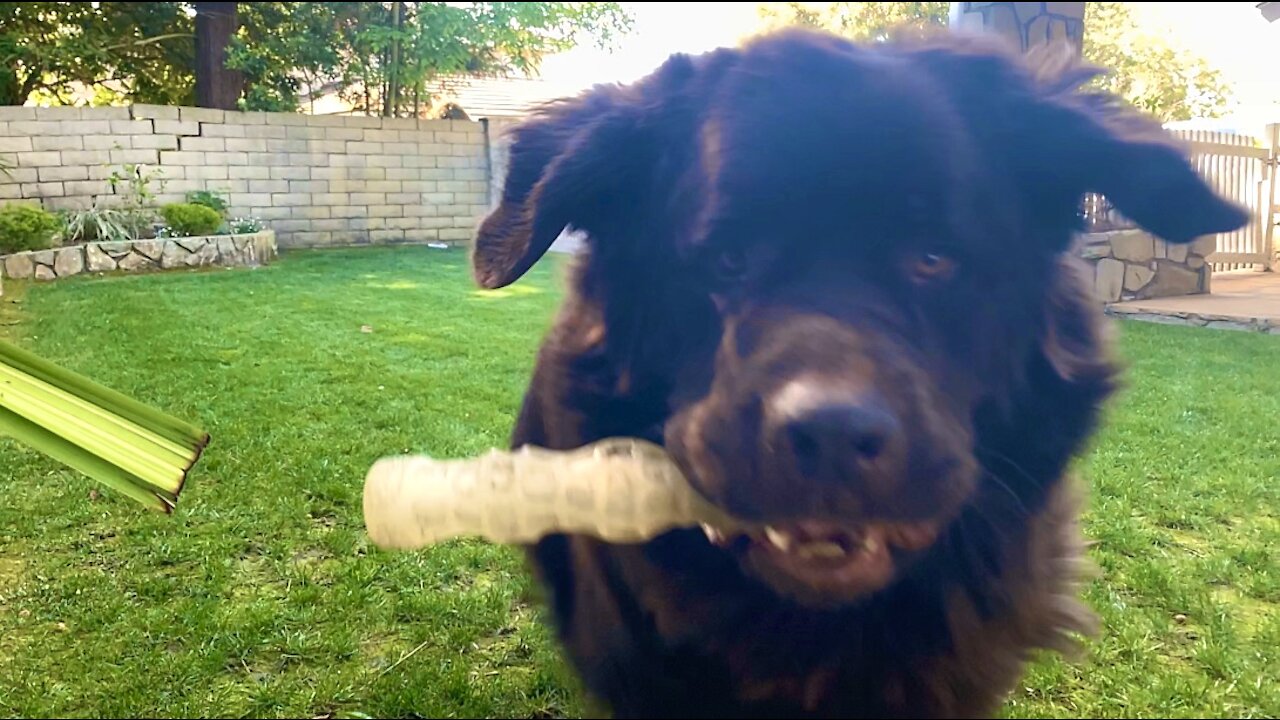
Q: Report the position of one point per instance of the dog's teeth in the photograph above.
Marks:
(821, 549)
(714, 535)
(780, 540)
(870, 544)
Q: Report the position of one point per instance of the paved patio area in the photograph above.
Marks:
(1244, 300)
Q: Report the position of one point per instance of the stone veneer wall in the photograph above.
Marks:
(143, 255)
(1132, 264)
(316, 180)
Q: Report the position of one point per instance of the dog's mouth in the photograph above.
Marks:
(829, 560)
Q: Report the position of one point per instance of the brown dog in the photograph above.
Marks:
(836, 282)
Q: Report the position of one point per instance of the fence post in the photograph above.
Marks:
(1271, 171)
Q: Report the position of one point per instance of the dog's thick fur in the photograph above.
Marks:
(891, 221)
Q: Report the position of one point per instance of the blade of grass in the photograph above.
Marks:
(162, 424)
(137, 450)
(127, 445)
(76, 457)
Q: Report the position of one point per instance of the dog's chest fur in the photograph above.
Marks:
(674, 628)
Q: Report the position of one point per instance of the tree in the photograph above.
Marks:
(139, 50)
(217, 86)
(856, 20)
(1146, 69)
(1150, 71)
(381, 56)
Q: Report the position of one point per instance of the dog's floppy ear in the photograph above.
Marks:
(1104, 146)
(1149, 179)
(1064, 142)
(566, 168)
(588, 163)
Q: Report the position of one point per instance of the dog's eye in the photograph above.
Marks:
(730, 265)
(927, 267)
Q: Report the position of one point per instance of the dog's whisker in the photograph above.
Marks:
(994, 478)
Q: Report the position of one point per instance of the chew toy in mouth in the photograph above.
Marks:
(623, 490)
(620, 490)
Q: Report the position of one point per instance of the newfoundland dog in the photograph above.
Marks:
(837, 283)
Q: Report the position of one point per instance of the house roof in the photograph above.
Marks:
(498, 97)
(478, 97)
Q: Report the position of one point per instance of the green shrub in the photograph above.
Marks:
(189, 219)
(26, 227)
(211, 199)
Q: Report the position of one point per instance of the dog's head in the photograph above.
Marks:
(838, 279)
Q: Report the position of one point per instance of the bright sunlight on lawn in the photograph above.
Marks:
(260, 596)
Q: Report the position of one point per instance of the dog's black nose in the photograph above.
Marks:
(839, 436)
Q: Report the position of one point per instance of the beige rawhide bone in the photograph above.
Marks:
(620, 490)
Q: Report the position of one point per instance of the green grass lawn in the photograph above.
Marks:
(261, 596)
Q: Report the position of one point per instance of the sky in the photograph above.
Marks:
(660, 29)
(1233, 36)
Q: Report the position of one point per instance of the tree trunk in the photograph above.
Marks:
(216, 86)
(391, 98)
(10, 88)
(1024, 24)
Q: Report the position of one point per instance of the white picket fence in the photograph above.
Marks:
(1242, 168)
